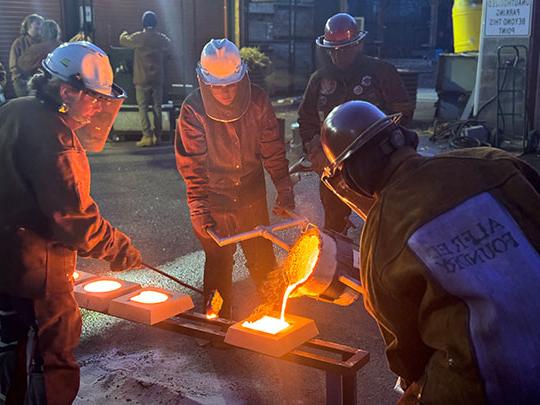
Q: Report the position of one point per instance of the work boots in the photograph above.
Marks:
(147, 140)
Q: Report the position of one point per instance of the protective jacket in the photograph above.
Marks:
(450, 269)
(48, 214)
(151, 49)
(30, 59)
(222, 162)
(18, 46)
(369, 79)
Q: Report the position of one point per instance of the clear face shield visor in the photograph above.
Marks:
(98, 116)
(332, 177)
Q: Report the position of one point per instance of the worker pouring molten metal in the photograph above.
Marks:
(449, 258)
(227, 135)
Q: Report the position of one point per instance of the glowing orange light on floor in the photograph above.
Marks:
(150, 297)
(102, 286)
(267, 324)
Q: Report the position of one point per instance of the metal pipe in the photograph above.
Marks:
(173, 278)
(264, 231)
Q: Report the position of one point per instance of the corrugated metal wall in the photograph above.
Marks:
(189, 24)
(12, 12)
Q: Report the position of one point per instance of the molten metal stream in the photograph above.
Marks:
(298, 268)
(314, 256)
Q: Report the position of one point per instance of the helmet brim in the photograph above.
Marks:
(211, 80)
(362, 139)
(322, 43)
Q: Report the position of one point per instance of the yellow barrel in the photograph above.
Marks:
(466, 18)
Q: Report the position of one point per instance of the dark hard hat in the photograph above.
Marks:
(149, 19)
(340, 30)
(349, 127)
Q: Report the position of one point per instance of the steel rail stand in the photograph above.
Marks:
(340, 363)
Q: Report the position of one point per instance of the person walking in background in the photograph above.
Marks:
(30, 35)
(349, 75)
(30, 60)
(227, 134)
(151, 49)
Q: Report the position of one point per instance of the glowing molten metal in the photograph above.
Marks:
(301, 262)
(267, 324)
(150, 297)
(76, 275)
(102, 286)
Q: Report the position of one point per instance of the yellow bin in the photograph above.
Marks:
(466, 18)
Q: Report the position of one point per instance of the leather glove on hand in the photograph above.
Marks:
(201, 222)
(130, 258)
(316, 155)
(284, 203)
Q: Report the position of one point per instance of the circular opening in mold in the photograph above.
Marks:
(150, 297)
(102, 286)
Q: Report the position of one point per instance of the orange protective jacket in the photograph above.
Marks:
(222, 162)
(47, 213)
(426, 328)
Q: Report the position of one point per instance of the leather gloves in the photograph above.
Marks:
(316, 155)
(129, 258)
(284, 202)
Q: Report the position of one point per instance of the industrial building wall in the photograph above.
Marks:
(188, 23)
(12, 12)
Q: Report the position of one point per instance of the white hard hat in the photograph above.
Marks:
(82, 64)
(220, 63)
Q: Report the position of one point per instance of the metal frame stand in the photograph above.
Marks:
(339, 362)
(512, 80)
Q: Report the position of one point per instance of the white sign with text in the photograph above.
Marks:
(508, 18)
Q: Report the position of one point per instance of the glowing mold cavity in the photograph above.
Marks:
(267, 324)
(102, 286)
(150, 297)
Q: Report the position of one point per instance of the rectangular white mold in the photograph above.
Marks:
(300, 331)
(150, 314)
(99, 301)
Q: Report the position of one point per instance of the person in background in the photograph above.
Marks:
(49, 217)
(151, 49)
(450, 258)
(349, 75)
(226, 135)
(30, 35)
(3, 82)
(30, 60)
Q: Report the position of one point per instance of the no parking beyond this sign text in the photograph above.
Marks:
(508, 18)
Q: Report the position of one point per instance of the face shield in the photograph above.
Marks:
(334, 175)
(229, 111)
(96, 114)
(334, 180)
